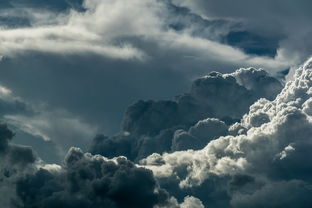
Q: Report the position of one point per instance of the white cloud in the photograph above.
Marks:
(106, 28)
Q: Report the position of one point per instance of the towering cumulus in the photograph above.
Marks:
(266, 162)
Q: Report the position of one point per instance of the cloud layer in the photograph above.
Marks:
(109, 29)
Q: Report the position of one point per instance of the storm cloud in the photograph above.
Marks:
(170, 125)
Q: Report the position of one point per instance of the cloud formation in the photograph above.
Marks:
(258, 162)
(170, 125)
(269, 154)
(82, 180)
(85, 48)
(91, 181)
(282, 21)
(109, 29)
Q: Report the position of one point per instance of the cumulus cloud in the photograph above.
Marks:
(268, 156)
(91, 181)
(199, 135)
(82, 180)
(170, 125)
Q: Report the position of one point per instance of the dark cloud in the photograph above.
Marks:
(15, 160)
(91, 181)
(83, 180)
(161, 126)
(47, 150)
(6, 136)
(15, 154)
(224, 30)
(266, 26)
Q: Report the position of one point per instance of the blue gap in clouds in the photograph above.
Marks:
(252, 43)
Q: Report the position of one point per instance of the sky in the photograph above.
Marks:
(197, 101)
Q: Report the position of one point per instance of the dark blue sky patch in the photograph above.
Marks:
(47, 4)
(14, 22)
(252, 43)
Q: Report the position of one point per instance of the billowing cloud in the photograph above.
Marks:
(91, 181)
(170, 125)
(82, 180)
(199, 135)
(271, 153)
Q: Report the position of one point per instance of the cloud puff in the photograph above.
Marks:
(59, 127)
(91, 181)
(199, 135)
(272, 154)
(170, 125)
